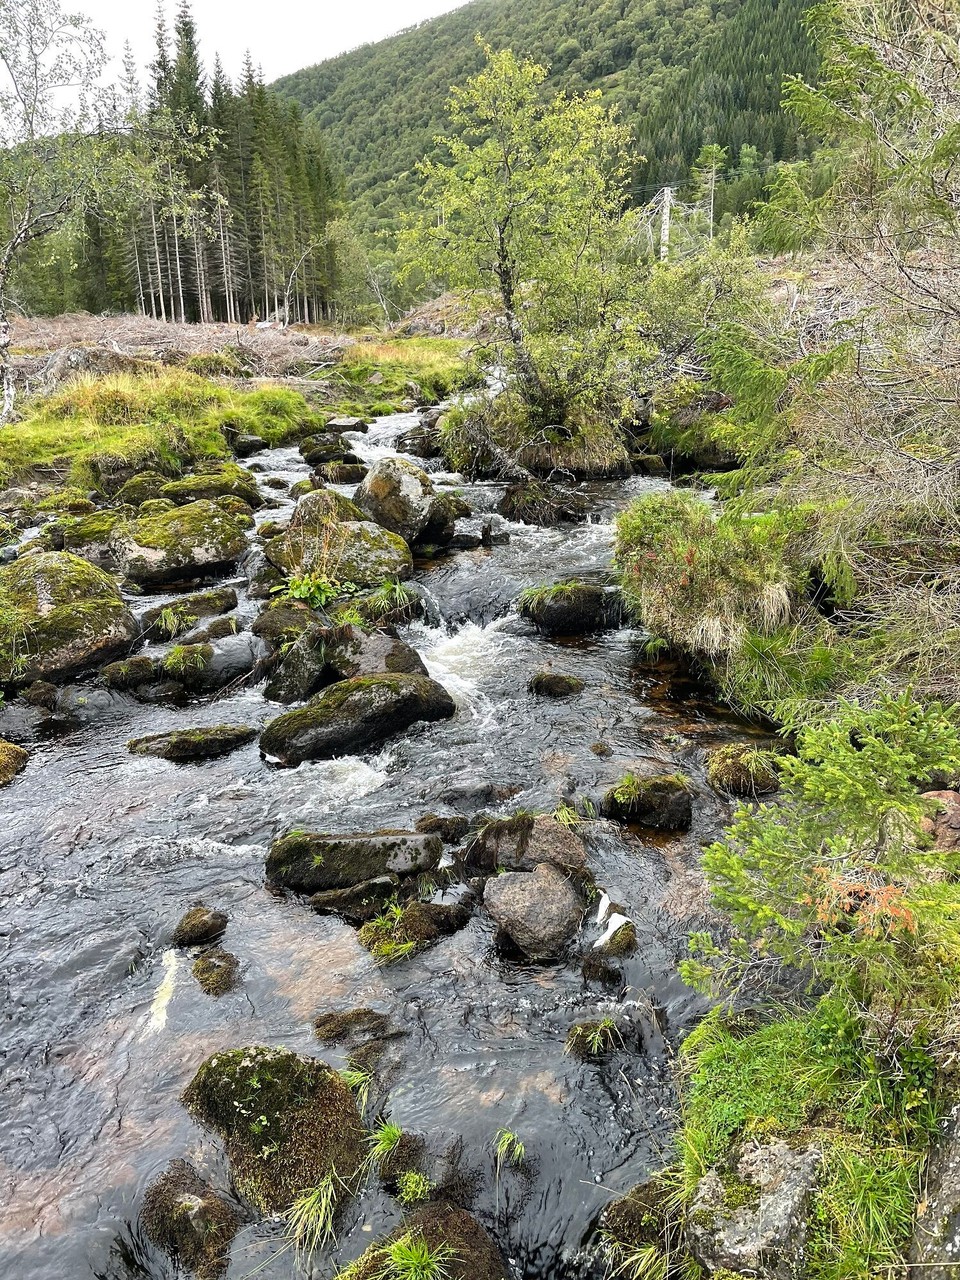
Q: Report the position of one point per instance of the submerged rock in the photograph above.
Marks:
(756, 1220)
(360, 902)
(554, 684)
(69, 616)
(13, 760)
(662, 800)
(355, 715)
(289, 1122)
(198, 925)
(217, 971)
(538, 910)
(185, 1218)
(351, 1026)
(572, 608)
(193, 744)
(201, 539)
(310, 863)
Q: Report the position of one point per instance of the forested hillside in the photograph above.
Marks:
(684, 72)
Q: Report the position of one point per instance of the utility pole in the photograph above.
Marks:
(665, 224)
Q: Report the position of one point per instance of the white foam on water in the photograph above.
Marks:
(616, 920)
(459, 660)
(603, 908)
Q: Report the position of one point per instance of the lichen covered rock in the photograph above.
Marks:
(224, 481)
(61, 615)
(354, 715)
(356, 551)
(755, 1220)
(204, 743)
(323, 656)
(201, 539)
(400, 496)
(185, 1218)
(289, 1122)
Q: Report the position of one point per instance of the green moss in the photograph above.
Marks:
(200, 1241)
(89, 531)
(185, 660)
(131, 673)
(217, 971)
(226, 480)
(58, 613)
(593, 1039)
(98, 430)
(743, 770)
(288, 1122)
(13, 760)
(623, 942)
(71, 501)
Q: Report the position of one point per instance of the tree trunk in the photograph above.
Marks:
(6, 366)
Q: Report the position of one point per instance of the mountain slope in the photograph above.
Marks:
(683, 72)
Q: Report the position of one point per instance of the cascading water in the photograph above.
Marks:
(101, 852)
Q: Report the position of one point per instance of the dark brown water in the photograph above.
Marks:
(101, 852)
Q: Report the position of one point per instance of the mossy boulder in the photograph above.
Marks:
(167, 621)
(400, 496)
(450, 1233)
(141, 488)
(198, 925)
(60, 615)
(72, 502)
(322, 507)
(89, 536)
(401, 931)
(193, 744)
(282, 621)
(289, 1122)
(131, 673)
(323, 656)
(356, 551)
(226, 481)
(662, 800)
(310, 863)
(185, 1218)
(740, 769)
(353, 716)
(13, 760)
(571, 608)
(200, 539)
(217, 971)
(554, 684)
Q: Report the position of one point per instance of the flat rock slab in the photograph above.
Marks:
(193, 744)
(313, 863)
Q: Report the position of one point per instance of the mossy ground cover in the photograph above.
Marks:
(809, 1079)
(166, 419)
(375, 377)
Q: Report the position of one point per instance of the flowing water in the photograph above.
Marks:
(101, 852)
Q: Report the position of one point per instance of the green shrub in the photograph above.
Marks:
(837, 879)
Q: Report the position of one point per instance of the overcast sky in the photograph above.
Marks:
(282, 35)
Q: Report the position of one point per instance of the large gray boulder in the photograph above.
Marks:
(400, 497)
(538, 910)
(312, 863)
(199, 540)
(756, 1222)
(356, 551)
(354, 715)
(63, 616)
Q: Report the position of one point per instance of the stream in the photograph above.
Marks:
(101, 852)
